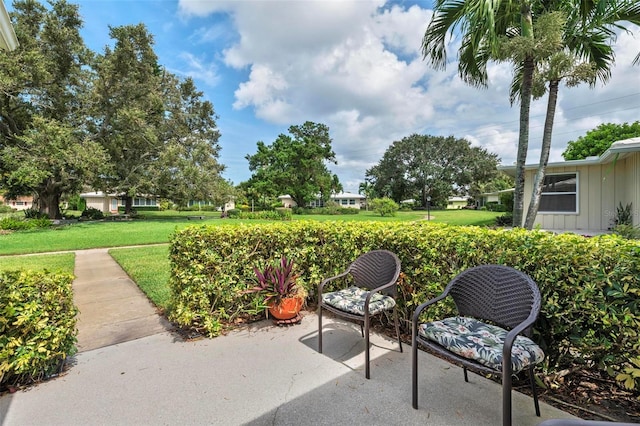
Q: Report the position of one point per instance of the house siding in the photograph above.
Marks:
(601, 189)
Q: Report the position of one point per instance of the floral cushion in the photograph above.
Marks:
(352, 300)
(481, 342)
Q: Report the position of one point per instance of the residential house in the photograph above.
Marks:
(492, 197)
(344, 199)
(582, 195)
(457, 202)
(109, 203)
(23, 202)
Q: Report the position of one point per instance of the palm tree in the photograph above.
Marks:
(586, 55)
(482, 24)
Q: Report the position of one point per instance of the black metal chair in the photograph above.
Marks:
(373, 291)
(497, 306)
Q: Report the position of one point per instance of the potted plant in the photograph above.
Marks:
(277, 283)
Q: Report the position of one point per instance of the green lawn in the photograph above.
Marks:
(149, 268)
(62, 262)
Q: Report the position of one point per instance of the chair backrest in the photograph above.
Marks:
(496, 293)
(376, 268)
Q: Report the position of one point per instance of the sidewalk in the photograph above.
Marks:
(258, 375)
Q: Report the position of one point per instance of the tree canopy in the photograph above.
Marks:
(595, 142)
(115, 121)
(420, 165)
(295, 164)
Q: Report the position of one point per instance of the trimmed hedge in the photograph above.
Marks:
(37, 325)
(590, 286)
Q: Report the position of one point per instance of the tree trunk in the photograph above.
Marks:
(523, 140)
(49, 200)
(128, 204)
(544, 154)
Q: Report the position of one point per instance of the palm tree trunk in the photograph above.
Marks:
(532, 211)
(523, 140)
(525, 108)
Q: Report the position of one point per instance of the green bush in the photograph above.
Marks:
(92, 213)
(233, 213)
(15, 224)
(34, 214)
(280, 214)
(37, 325)
(384, 206)
(590, 287)
(505, 220)
(6, 209)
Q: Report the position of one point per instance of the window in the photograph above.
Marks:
(352, 202)
(344, 202)
(559, 194)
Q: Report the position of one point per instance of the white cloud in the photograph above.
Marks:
(199, 68)
(357, 67)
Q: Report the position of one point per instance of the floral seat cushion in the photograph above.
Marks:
(352, 300)
(481, 342)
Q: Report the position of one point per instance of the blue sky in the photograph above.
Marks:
(352, 65)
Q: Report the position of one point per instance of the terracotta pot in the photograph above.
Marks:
(287, 309)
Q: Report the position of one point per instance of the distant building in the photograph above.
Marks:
(23, 202)
(344, 199)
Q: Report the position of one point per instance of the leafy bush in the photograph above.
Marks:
(76, 203)
(590, 317)
(384, 206)
(37, 325)
(624, 215)
(505, 220)
(15, 224)
(34, 214)
(233, 213)
(494, 206)
(629, 232)
(6, 209)
(280, 214)
(92, 213)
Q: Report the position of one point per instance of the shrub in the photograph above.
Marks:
(590, 287)
(384, 206)
(627, 231)
(6, 209)
(13, 224)
(505, 220)
(233, 213)
(34, 214)
(37, 325)
(92, 213)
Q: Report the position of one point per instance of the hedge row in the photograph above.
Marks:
(590, 286)
(37, 325)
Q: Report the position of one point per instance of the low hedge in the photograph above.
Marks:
(590, 286)
(37, 325)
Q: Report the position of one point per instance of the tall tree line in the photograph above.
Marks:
(116, 121)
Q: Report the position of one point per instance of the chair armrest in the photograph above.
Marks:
(327, 281)
(422, 307)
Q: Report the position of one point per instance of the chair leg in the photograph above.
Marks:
(506, 398)
(466, 377)
(362, 329)
(414, 370)
(320, 328)
(532, 379)
(395, 319)
(366, 343)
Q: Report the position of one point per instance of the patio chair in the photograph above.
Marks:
(373, 290)
(497, 306)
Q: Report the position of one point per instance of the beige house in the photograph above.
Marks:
(21, 203)
(345, 199)
(457, 202)
(109, 203)
(582, 195)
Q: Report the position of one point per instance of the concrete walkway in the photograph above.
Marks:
(112, 307)
(131, 371)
